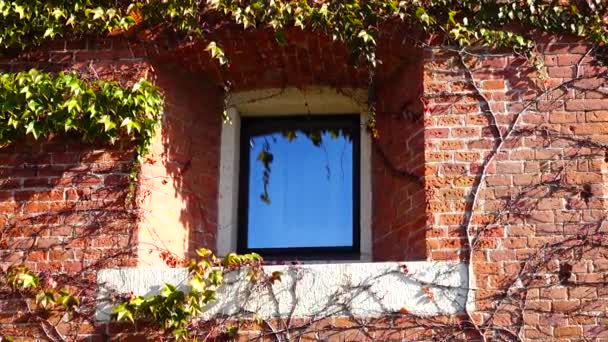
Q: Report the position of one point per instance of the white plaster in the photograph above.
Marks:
(359, 289)
(289, 101)
(229, 184)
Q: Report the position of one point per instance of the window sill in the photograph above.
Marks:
(365, 289)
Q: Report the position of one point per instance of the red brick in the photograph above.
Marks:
(554, 293)
(493, 84)
(562, 72)
(577, 105)
(568, 331)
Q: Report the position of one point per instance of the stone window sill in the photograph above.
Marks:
(425, 288)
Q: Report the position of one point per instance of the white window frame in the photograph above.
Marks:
(285, 102)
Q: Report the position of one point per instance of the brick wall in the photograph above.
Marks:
(541, 204)
(64, 211)
(538, 208)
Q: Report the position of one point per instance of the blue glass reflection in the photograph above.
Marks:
(309, 189)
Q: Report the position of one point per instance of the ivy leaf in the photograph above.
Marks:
(366, 36)
(68, 124)
(58, 13)
(216, 277)
(68, 300)
(45, 298)
(31, 128)
(50, 32)
(217, 53)
(130, 124)
(26, 90)
(451, 16)
(168, 290)
(28, 280)
(111, 13)
(209, 296)
(203, 252)
(198, 284)
(13, 122)
(279, 36)
(107, 122)
(72, 104)
(20, 10)
(71, 20)
(422, 15)
(137, 301)
(122, 312)
(98, 13)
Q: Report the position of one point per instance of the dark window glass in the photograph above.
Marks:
(300, 186)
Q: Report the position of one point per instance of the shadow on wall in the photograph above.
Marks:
(399, 202)
(179, 180)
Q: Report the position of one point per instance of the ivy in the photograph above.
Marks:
(173, 309)
(46, 296)
(486, 23)
(26, 23)
(39, 104)
(465, 22)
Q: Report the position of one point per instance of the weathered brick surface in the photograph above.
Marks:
(544, 190)
(62, 206)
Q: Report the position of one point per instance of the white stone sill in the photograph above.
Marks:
(313, 290)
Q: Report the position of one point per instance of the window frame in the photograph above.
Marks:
(265, 124)
(280, 102)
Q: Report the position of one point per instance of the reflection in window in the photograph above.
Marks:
(300, 185)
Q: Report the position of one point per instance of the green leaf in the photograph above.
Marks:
(45, 298)
(50, 32)
(20, 10)
(122, 313)
(98, 13)
(31, 128)
(167, 290)
(203, 252)
(216, 52)
(72, 104)
(28, 280)
(107, 122)
(58, 13)
(216, 277)
(279, 36)
(198, 284)
(137, 301)
(451, 16)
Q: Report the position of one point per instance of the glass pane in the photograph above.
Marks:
(304, 197)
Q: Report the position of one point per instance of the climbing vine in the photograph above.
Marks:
(27, 23)
(39, 104)
(484, 23)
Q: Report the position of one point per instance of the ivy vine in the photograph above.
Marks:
(63, 103)
(27, 23)
(173, 309)
(41, 104)
(465, 22)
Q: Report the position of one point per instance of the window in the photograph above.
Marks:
(299, 186)
(267, 114)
